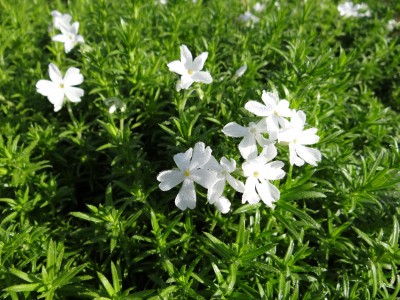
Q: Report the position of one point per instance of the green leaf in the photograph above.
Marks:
(219, 247)
(86, 217)
(299, 213)
(256, 252)
(28, 287)
(107, 285)
(288, 226)
(116, 278)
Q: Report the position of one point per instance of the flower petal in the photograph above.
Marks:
(73, 77)
(223, 205)
(236, 184)
(169, 179)
(298, 120)
(258, 109)
(310, 155)
(182, 160)
(283, 108)
(199, 61)
(74, 94)
(228, 165)
(270, 99)
(186, 55)
(273, 170)
(202, 76)
(201, 155)
(178, 67)
(55, 74)
(216, 190)
(248, 147)
(308, 137)
(47, 87)
(186, 82)
(269, 152)
(186, 197)
(57, 98)
(268, 192)
(293, 158)
(205, 178)
(249, 194)
(59, 38)
(233, 129)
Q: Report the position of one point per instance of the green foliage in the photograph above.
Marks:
(81, 213)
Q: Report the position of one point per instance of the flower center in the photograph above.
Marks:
(190, 71)
(186, 173)
(256, 174)
(70, 37)
(253, 130)
(62, 85)
(276, 113)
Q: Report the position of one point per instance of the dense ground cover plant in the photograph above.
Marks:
(82, 214)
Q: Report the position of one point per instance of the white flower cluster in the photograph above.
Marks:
(69, 32)
(349, 9)
(59, 88)
(197, 165)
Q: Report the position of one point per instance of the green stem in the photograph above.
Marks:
(288, 183)
(71, 114)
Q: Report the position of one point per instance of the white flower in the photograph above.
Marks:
(273, 109)
(60, 20)
(58, 88)
(248, 18)
(69, 36)
(223, 170)
(258, 172)
(296, 138)
(392, 25)
(189, 69)
(163, 2)
(190, 170)
(251, 135)
(115, 103)
(239, 72)
(258, 7)
(349, 9)
(223, 205)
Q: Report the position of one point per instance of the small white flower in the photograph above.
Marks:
(251, 136)
(223, 170)
(60, 20)
(273, 109)
(349, 9)
(239, 72)
(190, 170)
(115, 103)
(258, 172)
(189, 69)
(69, 37)
(58, 88)
(296, 138)
(258, 7)
(392, 25)
(248, 18)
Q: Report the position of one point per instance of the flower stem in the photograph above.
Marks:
(288, 183)
(71, 114)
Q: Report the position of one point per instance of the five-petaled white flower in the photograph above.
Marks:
(349, 9)
(273, 109)
(296, 138)
(258, 172)
(60, 20)
(251, 136)
(190, 170)
(223, 170)
(69, 36)
(58, 88)
(189, 69)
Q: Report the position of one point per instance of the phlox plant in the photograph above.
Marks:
(199, 149)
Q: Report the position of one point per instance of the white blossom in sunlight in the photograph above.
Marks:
(296, 137)
(259, 7)
(189, 69)
(60, 20)
(223, 170)
(248, 18)
(349, 9)
(274, 110)
(251, 135)
(60, 88)
(259, 171)
(392, 25)
(191, 169)
(69, 36)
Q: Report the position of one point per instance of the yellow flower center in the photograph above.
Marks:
(62, 85)
(186, 173)
(256, 174)
(190, 71)
(276, 113)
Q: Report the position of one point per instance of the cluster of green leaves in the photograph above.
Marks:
(81, 213)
